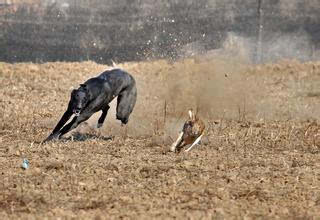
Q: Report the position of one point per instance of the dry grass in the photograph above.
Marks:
(260, 162)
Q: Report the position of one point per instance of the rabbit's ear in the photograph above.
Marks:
(191, 115)
(197, 111)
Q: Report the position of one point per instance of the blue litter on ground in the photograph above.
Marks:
(25, 164)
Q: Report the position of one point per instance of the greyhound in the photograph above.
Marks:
(94, 95)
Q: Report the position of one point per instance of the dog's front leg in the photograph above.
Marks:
(103, 116)
(74, 123)
(55, 133)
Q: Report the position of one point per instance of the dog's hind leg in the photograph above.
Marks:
(125, 103)
(103, 116)
(55, 133)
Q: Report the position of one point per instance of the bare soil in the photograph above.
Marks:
(261, 161)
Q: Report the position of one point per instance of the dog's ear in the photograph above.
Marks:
(86, 90)
(73, 92)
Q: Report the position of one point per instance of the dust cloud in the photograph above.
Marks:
(214, 86)
(219, 84)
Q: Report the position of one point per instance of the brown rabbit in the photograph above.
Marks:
(191, 133)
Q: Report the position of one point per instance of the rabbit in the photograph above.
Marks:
(192, 132)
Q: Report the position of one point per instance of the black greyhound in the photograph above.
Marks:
(95, 95)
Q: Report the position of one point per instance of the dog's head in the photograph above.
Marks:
(79, 99)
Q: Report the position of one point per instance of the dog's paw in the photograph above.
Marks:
(99, 125)
(51, 138)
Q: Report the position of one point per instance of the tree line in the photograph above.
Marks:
(126, 30)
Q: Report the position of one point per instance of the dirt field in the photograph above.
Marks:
(260, 162)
